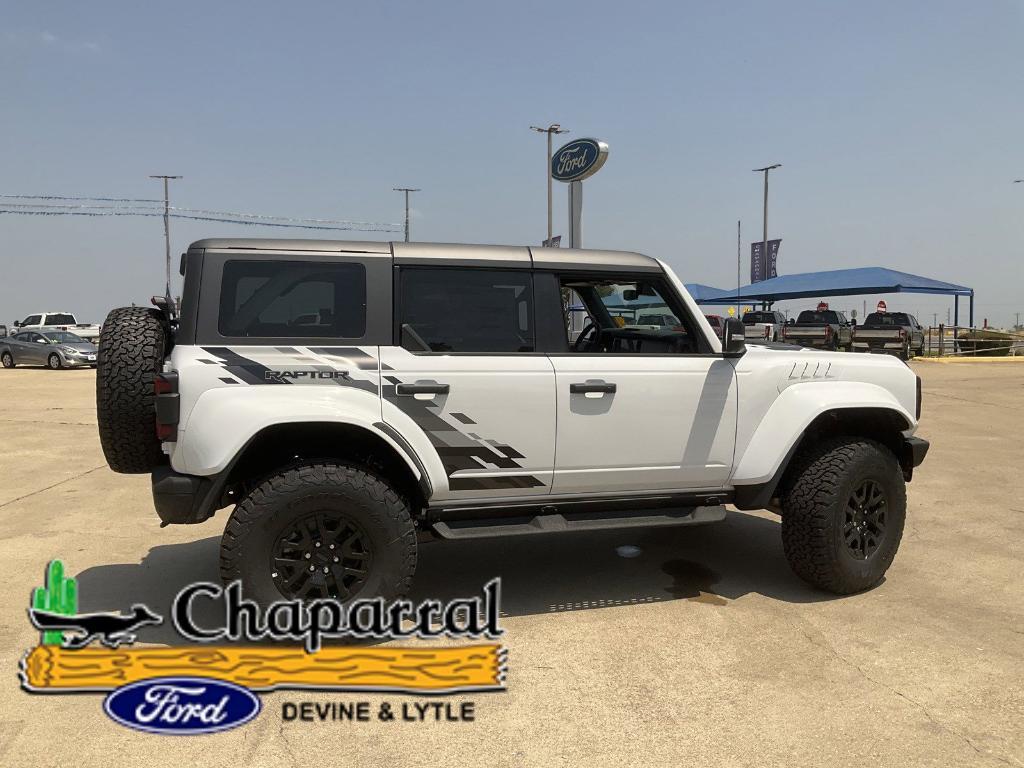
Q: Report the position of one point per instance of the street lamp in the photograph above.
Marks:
(551, 129)
(406, 190)
(167, 231)
(764, 239)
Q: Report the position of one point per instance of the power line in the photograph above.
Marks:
(354, 228)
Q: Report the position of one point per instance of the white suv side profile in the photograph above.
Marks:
(352, 400)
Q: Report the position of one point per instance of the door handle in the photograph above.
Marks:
(422, 389)
(600, 387)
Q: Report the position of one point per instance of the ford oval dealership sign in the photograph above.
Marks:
(578, 160)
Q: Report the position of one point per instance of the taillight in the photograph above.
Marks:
(903, 333)
(828, 331)
(165, 387)
(767, 331)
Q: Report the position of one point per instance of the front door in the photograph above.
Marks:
(639, 407)
(466, 386)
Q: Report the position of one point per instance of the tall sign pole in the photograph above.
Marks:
(406, 190)
(551, 129)
(167, 231)
(764, 239)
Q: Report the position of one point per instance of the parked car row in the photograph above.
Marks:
(823, 328)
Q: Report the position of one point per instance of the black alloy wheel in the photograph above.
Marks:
(323, 554)
(864, 527)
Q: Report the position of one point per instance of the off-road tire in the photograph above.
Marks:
(368, 501)
(7, 360)
(814, 504)
(53, 362)
(131, 352)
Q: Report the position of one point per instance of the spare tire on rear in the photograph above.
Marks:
(131, 351)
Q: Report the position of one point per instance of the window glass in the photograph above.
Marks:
(826, 317)
(32, 320)
(60, 319)
(624, 315)
(288, 299)
(64, 337)
(466, 310)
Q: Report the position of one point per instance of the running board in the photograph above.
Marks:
(557, 523)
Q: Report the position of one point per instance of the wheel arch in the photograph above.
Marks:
(884, 423)
(378, 449)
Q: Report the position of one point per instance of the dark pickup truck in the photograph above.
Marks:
(892, 332)
(822, 328)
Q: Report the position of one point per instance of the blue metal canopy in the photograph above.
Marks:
(701, 292)
(839, 282)
(836, 282)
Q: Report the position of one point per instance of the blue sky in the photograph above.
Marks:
(899, 127)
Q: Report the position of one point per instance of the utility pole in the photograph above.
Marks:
(764, 239)
(167, 230)
(551, 129)
(739, 257)
(406, 190)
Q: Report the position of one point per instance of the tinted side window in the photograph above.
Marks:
(292, 299)
(31, 320)
(62, 319)
(466, 310)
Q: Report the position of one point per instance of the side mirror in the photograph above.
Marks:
(734, 339)
(17, 323)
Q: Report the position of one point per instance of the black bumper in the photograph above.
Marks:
(184, 499)
(913, 453)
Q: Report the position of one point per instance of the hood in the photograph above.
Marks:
(81, 346)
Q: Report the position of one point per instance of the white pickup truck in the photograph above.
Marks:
(64, 321)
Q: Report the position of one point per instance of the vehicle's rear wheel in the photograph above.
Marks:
(54, 362)
(7, 359)
(320, 530)
(905, 352)
(131, 352)
(844, 506)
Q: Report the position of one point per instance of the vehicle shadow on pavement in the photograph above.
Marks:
(712, 564)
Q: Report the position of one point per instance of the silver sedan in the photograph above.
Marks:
(54, 349)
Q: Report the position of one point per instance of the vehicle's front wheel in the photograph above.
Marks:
(844, 506)
(320, 530)
(54, 362)
(7, 359)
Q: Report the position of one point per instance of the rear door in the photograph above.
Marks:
(639, 409)
(465, 383)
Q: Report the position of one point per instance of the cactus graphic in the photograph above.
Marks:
(60, 595)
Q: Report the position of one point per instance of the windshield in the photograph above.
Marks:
(63, 337)
(60, 319)
(810, 316)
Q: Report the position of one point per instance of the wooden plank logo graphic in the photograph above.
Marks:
(48, 668)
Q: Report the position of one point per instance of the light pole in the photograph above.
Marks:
(407, 190)
(167, 230)
(551, 129)
(764, 239)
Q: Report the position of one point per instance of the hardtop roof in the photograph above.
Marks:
(437, 253)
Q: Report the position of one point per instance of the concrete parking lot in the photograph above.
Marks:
(702, 650)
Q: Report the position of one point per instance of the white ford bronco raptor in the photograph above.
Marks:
(352, 400)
